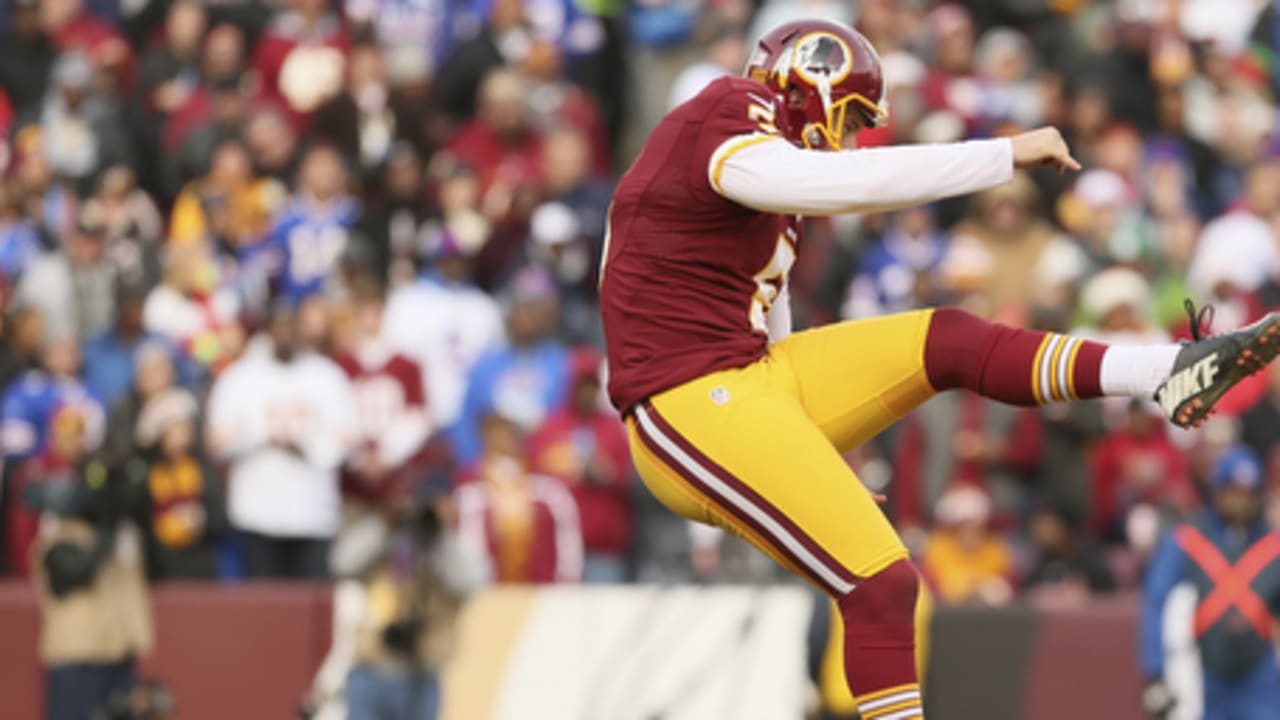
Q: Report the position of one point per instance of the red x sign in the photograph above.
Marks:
(1231, 582)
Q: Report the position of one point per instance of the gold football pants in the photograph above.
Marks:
(758, 450)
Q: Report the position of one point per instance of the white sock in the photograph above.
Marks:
(1136, 370)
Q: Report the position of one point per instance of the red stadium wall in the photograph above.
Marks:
(250, 651)
(227, 651)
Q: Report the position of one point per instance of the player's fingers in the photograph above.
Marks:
(1069, 162)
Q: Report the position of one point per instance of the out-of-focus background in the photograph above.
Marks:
(301, 365)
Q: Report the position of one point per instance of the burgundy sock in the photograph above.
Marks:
(880, 634)
(1021, 367)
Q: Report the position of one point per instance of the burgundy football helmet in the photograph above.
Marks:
(833, 67)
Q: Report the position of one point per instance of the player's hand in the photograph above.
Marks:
(1042, 147)
(1158, 699)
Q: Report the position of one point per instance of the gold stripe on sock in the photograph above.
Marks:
(1071, 370)
(878, 712)
(873, 696)
(1035, 370)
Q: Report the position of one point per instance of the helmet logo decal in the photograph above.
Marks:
(823, 59)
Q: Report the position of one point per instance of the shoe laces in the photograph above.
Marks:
(1200, 319)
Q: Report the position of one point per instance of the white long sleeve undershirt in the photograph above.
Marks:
(772, 175)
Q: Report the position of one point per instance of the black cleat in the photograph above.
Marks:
(1208, 367)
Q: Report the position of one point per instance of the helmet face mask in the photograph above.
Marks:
(822, 70)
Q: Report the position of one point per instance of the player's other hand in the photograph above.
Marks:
(1157, 699)
(1042, 147)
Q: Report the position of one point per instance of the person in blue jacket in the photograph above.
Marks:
(1232, 558)
(527, 379)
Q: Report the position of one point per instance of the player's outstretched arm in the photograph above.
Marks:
(776, 176)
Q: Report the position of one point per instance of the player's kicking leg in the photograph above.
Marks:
(856, 378)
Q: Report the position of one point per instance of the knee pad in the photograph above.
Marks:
(887, 598)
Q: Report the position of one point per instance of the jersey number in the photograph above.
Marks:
(763, 117)
(769, 283)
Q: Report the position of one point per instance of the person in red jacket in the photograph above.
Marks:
(525, 523)
(1137, 464)
(585, 445)
(302, 55)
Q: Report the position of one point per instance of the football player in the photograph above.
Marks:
(734, 421)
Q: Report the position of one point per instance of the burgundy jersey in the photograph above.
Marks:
(386, 389)
(688, 274)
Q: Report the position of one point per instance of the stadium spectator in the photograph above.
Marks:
(1260, 427)
(222, 64)
(95, 612)
(1066, 566)
(225, 108)
(393, 422)
(501, 145)
(556, 102)
(54, 469)
(502, 40)
(283, 420)
(445, 323)
(193, 309)
(169, 71)
(724, 52)
(183, 500)
(556, 243)
(168, 76)
(894, 274)
(273, 144)
(1005, 221)
(20, 242)
(363, 121)
(568, 179)
(390, 229)
(33, 398)
(227, 206)
(585, 446)
(73, 287)
(1228, 547)
(1137, 464)
(951, 83)
(964, 561)
(395, 615)
(109, 357)
(153, 374)
(82, 131)
(26, 55)
(301, 55)
(133, 226)
(526, 524)
(311, 232)
(20, 350)
(524, 381)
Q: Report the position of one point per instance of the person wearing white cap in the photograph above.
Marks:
(81, 132)
(967, 563)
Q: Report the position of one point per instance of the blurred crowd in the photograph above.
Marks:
(274, 273)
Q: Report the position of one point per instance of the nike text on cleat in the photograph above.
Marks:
(1206, 369)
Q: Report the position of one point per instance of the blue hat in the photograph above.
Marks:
(1238, 467)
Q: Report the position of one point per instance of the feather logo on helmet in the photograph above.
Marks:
(822, 58)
